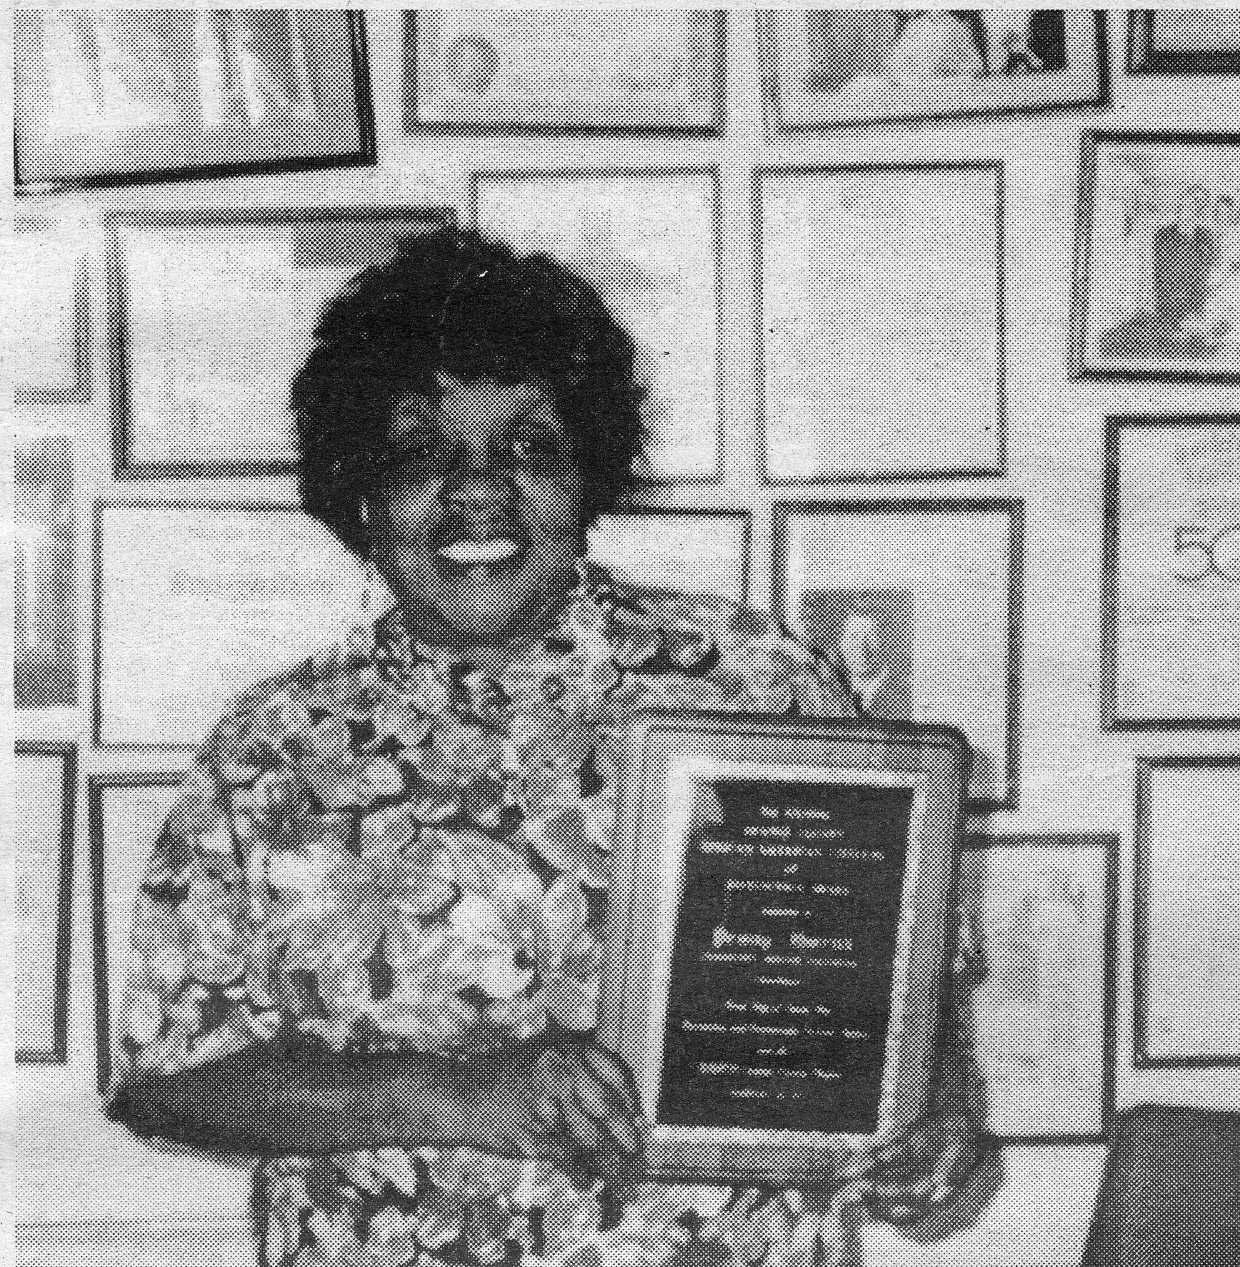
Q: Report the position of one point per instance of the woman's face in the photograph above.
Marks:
(477, 514)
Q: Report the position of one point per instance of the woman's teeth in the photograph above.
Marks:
(495, 550)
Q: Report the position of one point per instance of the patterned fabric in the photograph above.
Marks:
(389, 849)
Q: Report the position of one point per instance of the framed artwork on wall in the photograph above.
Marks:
(1156, 289)
(1186, 916)
(42, 841)
(693, 551)
(210, 314)
(1184, 42)
(920, 602)
(882, 322)
(116, 96)
(1171, 573)
(509, 70)
(649, 241)
(1040, 1020)
(126, 814)
(832, 67)
(194, 603)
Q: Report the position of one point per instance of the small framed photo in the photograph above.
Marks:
(44, 799)
(1156, 291)
(623, 70)
(1186, 927)
(50, 343)
(1184, 42)
(116, 96)
(831, 67)
(774, 969)
(1171, 573)
(45, 620)
(894, 277)
(211, 313)
(918, 606)
(195, 603)
(1040, 1020)
(649, 241)
(126, 814)
(693, 551)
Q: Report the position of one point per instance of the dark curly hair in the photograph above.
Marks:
(452, 301)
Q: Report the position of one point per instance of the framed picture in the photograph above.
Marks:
(45, 635)
(918, 604)
(623, 70)
(1171, 573)
(1040, 1021)
(50, 341)
(44, 796)
(116, 96)
(211, 313)
(1186, 921)
(830, 67)
(694, 551)
(1157, 276)
(127, 813)
(195, 603)
(893, 278)
(649, 241)
(1184, 42)
(774, 972)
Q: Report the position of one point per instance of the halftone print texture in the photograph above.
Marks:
(373, 475)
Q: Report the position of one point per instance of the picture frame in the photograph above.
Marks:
(51, 342)
(650, 241)
(1185, 1009)
(46, 779)
(1156, 272)
(210, 313)
(839, 68)
(906, 242)
(118, 97)
(1169, 552)
(513, 71)
(943, 645)
(45, 572)
(858, 821)
(1040, 1021)
(693, 551)
(227, 594)
(1180, 42)
(125, 813)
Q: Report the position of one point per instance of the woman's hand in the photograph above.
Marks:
(922, 1170)
(567, 1099)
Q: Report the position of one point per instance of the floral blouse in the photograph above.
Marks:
(388, 849)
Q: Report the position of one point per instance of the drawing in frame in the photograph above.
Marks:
(223, 594)
(51, 339)
(1156, 278)
(838, 67)
(691, 551)
(536, 71)
(1184, 42)
(45, 796)
(774, 971)
(1170, 653)
(126, 813)
(116, 97)
(893, 277)
(917, 605)
(1186, 921)
(1040, 1021)
(211, 312)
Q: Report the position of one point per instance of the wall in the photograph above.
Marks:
(1073, 777)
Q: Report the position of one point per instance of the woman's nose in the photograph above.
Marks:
(476, 483)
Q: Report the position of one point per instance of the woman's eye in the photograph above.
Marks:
(414, 452)
(539, 446)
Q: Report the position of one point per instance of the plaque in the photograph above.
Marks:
(776, 948)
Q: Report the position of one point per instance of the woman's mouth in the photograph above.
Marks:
(493, 550)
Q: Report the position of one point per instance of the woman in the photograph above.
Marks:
(368, 941)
